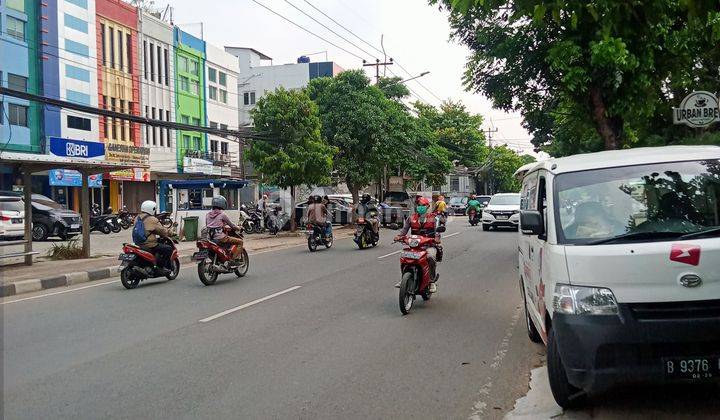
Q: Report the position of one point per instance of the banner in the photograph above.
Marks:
(135, 174)
(124, 153)
(79, 149)
(197, 166)
(70, 178)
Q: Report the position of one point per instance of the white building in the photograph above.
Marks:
(221, 83)
(157, 69)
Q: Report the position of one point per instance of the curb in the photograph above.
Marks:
(69, 279)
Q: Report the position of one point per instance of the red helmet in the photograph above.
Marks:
(422, 201)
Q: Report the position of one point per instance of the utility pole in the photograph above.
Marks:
(489, 133)
(377, 65)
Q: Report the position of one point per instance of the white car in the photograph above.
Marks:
(619, 256)
(503, 210)
(12, 218)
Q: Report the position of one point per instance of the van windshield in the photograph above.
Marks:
(645, 202)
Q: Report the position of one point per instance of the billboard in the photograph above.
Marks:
(70, 178)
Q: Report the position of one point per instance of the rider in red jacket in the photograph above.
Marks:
(424, 223)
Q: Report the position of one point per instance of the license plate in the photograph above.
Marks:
(692, 367)
(199, 256)
(75, 226)
(16, 220)
(126, 257)
(309, 232)
(502, 217)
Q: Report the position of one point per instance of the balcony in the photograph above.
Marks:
(217, 158)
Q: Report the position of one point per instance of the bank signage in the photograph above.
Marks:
(77, 149)
(698, 109)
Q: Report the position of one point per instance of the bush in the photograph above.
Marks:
(66, 251)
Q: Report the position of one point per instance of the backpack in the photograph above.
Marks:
(138, 232)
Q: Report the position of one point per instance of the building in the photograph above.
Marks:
(119, 90)
(190, 104)
(157, 93)
(222, 109)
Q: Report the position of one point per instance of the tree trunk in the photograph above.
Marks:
(607, 128)
(293, 222)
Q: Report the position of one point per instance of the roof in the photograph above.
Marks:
(627, 157)
(262, 56)
(41, 162)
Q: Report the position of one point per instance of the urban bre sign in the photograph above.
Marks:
(698, 109)
(77, 148)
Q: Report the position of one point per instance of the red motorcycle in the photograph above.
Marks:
(138, 265)
(415, 270)
(214, 258)
(473, 217)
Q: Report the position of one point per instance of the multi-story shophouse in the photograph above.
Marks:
(222, 109)
(119, 90)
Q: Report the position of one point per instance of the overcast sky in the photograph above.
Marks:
(415, 35)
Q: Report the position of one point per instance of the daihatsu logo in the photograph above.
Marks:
(690, 280)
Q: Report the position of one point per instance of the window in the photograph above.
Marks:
(194, 67)
(121, 56)
(122, 123)
(104, 50)
(79, 123)
(185, 119)
(186, 141)
(454, 183)
(213, 124)
(183, 64)
(212, 92)
(167, 118)
(114, 121)
(249, 98)
(112, 47)
(223, 126)
(184, 84)
(196, 122)
(159, 64)
(147, 126)
(17, 115)
(78, 97)
(152, 63)
(212, 74)
(15, 28)
(162, 130)
(167, 69)
(194, 87)
(128, 50)
(78, 24)
(2, 110)
(224, 148)
(222, 79)
(79, 3)
(77, 48)
(18, 5)
(214, 146)
(231, 195)
(196, 143)
(145, 60)
(77, 73)
(16, 82)
(223, 96)
(154, 131)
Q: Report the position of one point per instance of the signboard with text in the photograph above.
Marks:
(70, 178)
(78, 149)
(197, 166)
(130, 154)
(134, 174)
(698, 109)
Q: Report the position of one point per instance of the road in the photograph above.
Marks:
(304, 335)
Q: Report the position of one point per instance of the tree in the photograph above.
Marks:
(294, 152)
(392, 88)
(501, 165)
(606, 71)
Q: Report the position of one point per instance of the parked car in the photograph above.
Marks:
(12, 217)
(503, 210)
(457, 205)
(340, 210)
(619, 256)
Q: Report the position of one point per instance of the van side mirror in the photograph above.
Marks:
(531, 222)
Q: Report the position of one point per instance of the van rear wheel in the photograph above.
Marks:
(566, 395)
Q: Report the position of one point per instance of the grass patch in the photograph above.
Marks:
(66, 251)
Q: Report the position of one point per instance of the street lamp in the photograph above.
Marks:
(425, 73)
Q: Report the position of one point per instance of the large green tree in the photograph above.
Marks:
(593, 75)
(294, 152)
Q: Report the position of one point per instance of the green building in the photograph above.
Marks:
(190, 105)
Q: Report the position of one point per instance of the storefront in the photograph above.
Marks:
(194, 197)
(129, 187)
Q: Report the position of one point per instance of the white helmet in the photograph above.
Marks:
(148, 206)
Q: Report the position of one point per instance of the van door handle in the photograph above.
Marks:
(531, 251)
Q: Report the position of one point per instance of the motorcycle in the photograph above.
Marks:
(364, 235)
(138, 265)
(316, 236)
(104, 223)
(125, 218)
(473, 217)
(246, 221)
(276, 220)
(415, 268)
(215, 259)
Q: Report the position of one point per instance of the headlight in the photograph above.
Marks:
(581, 300)
(516, 211)
(414, 242)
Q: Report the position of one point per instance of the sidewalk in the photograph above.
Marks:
(47, 274)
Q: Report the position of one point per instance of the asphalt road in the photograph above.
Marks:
(333, 345)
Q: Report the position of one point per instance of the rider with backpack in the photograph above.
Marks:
(146, 230)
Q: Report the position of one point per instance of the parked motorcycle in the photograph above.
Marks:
(125, 218)
(246, 221)
(276, 220)
(473, 217)
(104, 223)
(415, 268)
(214, 259)
(165, 219)
(316, 236)
(364, 235)
(138, 265)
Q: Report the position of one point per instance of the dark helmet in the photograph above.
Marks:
(365, 198)
(219, 202)
(318, 199)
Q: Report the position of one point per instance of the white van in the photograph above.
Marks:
(619, 256)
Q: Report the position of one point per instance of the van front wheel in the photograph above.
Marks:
(566, 395)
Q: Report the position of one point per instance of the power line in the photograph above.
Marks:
(306, 30)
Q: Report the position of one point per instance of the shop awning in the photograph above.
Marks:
(203, 183)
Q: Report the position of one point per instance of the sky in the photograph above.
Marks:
(414, 34)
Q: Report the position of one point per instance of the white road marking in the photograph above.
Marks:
(451, 235)
(58, 293)
(249, 304)
(397, 252)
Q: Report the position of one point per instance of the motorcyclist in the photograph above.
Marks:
(318, 214)
(473, 204)
(369, 211)
(328, 223)
(216, 220)
(441, 208)
(424, 224)
(153, 229)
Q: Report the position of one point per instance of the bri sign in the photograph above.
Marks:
(79, 149)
